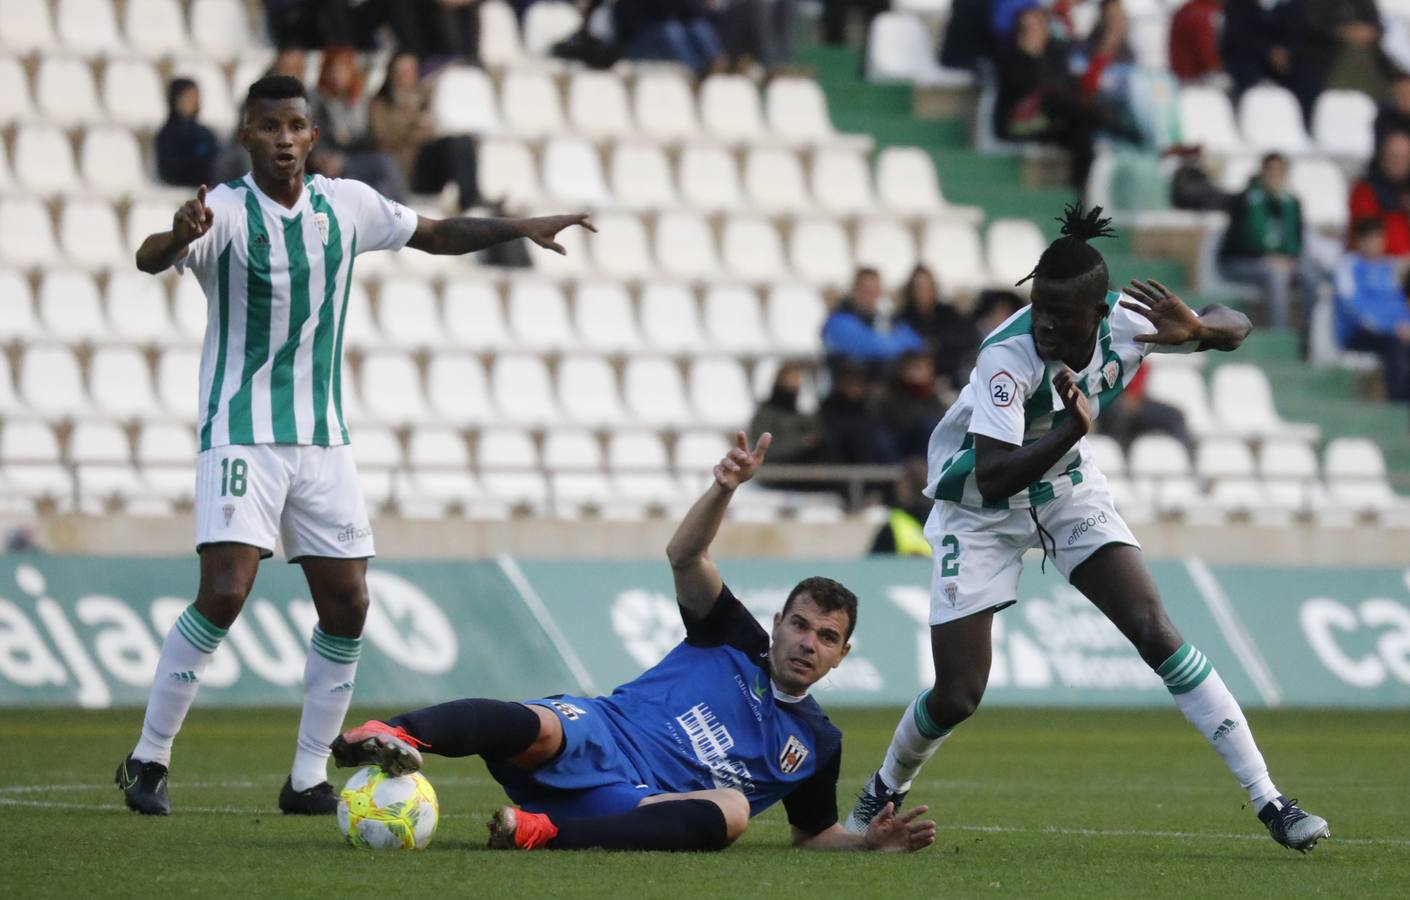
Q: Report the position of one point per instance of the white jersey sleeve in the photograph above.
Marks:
(381, 224)
(1005, 376)
(228, 212)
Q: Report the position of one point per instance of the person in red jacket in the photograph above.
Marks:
(1194, 40)
(1385, 193)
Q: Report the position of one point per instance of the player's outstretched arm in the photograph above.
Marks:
(888, 832)
(1215, 327)
(465, 234)
(160, 251)
(698, 581)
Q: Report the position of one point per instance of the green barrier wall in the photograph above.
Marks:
(86, 631)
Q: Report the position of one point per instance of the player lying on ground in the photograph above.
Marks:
(1009, 470)
(679, 759)
(274, 253)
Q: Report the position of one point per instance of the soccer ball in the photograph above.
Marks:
(379, 812)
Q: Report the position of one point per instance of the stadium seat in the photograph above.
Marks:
(734, 320)
(464, 102)
(1107, 454)
(111, 163)
(43, 159)
(220, 29)
(88, 26)
(640, 451)
(546, 23)
(390, 389)
(619, 249)
(699, 451)
(474, 315)
(887, 246)
(99, 442)
(664, 107)
(765, 373)
(906, 183)
(952, 251)
(574, 264)
(709, 178)
(132, 94)
(1270, 119)
(25, 26)
(730, 109)
(499, 35)
(598, 106)
(506, 172)
(359, 328)
(1321, 186)
(189, 307)
(795, 315)
(26, 234)
(797, 112)
(640, 176)
(440, 477)
(899, 47)
(168, 443)
(538, 316)
(217, 100)
(377, 448)
(1343, 125)
(7, 179)
(1207, 118)
(572, 173)
(1182, 385)
(155, 28)
(773, 179)
(121, 384)
(70, 308)
(407, 316)
(435, 446)
(587, 392)
(751, 249)
(15, 105)
(840, 181)
(10, 402)
(1355, 472)
(685, 246)
(1013, 248)
(179, 381)
(571, 449)
(654, 392)
(51, 383)
(147, 217)
(603, 319)
(505, 448)
(254, 63)
(457, 390)
(28, 442)
(531, 105)
(1289, 472)
(670, 318)
(819, 252)
(1227, 465)
(1243, 404)
(719, 393)
(522, 391)
(65, 92)
(1164, 464)
(89, 236)
(137, 308)
(17, 318)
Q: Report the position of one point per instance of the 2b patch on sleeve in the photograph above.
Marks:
(1002, 389)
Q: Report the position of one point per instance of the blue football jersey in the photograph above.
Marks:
(706, 716)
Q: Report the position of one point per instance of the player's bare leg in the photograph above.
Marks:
(963, 654)
(227, 575)
(1117, 582)
(698, 820)
(339, 590)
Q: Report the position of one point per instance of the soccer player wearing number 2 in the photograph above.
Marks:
(274, 253)
(1009, 470)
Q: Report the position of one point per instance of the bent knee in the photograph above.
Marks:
(950, 704)
(735, 807)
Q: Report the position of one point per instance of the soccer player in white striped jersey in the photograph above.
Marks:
(1009, 470)
(274, 253)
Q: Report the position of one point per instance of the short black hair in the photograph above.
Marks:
(991, 300)
(1070, 263)
(276, 87)
(1272, 157)
(1366, 226)
(829, 595)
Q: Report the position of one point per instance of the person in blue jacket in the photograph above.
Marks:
(1371, 313)
(856, 332)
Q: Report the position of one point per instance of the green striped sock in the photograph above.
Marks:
(924, 724)
(336, 649)
(197, 629)
(1185, 670)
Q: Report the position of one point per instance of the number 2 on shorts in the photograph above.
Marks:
(233, 480)
(950, 562)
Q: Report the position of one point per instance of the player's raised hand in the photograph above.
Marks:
(544, 229)
(1175, 323)
(740, 464)
(193, 219)
(1074, 401)
(905, 833)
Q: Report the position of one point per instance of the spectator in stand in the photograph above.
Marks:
(1371, 314)
(186, 149)
(346, 148)
(1394, 114)
(435, 29)
(835, 17)
(1385, 193)
(1004, 18)
(911, 407)
(949, 335)
(1134, 414)
(994, 308)
(1336, 44)
(1194, 40)
(310, 24)
(857, 332)
(401, 124)
(1263, 246)
(854, 433)
(798, 436)
(677, 30)
(1256, 43)
(758, 32)
(904, 531)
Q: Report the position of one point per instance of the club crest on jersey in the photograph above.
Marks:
(229, 510)
(792, 756)
(951, 590)
(1110, 372)
(321, 220)
(568, 711)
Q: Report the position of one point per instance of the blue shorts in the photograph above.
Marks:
(591, 777)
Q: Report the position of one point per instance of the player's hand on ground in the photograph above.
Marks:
(905, 833)
(544, 229)
(740, 464)
(193, 219)
(1074, 401)
(1175, 323)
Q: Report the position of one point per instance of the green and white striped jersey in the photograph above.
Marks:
(276, 283)
(1010, 398)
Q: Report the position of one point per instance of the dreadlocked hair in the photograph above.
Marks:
(1070, 256)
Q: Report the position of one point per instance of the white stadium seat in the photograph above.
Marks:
(133, 95)
(889, 247)
(28, 442)
(15, 105)
(709, 178)
(121, 383)
(685, 246)
(1107, 454)
(1343, 125)
(522, 391)
(190, 310)
(1289, 472)
(1228, 465)
(220, 28)
(571, 448)
(603, 318)
(664, 107)
(26, 234)
(1207, 118)
(437, 446)
(531, 105)
(719, 393)
(505, 448)
(25, 26)
(819, 252)
(137, 307)
(1013, 248)
(178, 381)
(17, 318)
(1321, 186)
(598, 106)
(574, 263)
(1164, 463)
(619, 249)
(407, 315)
(474, 315)
(168, 442)
(795, 315)
(640, 175)
(1271, 120)
(900, 48)
(51, 383)
(587, 392)
(10, 403)
(458, 390)
(87, 26)
(572, 172)
(1243, 403)
(906, 181)
(546, 23)
(377, 447)
(670, 318)
(1183, 387)
(730, 109)
(636, 450)
(734, 320)
(699, 451)
(499, 34)
(774, 180)
(751, 249)
(70, 308)
(538, 316)
(505, 171)
(840, 181)
(797, 111)
(43, 159)
(1355, 471)
(359, 328)
(217, 101)
(111, 162)
(464, 102)
(156, 28)
(390, 389)
(952, 251)
(145, 218)
(90, 237)
(654, 392)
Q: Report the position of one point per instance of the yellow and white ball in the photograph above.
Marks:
(379, 812)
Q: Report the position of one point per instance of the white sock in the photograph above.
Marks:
(185, 654)
(1207, 704)
(328, 690)
(915, 741)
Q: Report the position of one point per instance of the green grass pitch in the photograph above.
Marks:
(1030, 802)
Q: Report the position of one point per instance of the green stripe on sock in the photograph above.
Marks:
(197, 629)
(336, 649)
(1194, 680)
(1176, 658)
(1185, 670)
(924, 724)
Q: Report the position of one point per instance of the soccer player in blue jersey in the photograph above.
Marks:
(1010, 469)
(680, 758)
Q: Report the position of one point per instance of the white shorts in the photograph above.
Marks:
(308, 495)
(979, 552)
